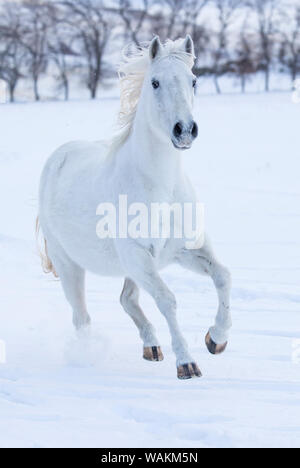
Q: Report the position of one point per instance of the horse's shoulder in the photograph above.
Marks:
(80, 148)
(78, 152)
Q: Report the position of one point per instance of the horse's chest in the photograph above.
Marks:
(163, 251)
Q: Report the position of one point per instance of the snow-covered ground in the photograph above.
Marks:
(57, 392)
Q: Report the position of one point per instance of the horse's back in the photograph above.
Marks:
(71, 187)
(76, 154)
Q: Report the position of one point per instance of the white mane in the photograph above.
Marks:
(132, 71)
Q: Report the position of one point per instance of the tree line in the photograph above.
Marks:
(64, 39)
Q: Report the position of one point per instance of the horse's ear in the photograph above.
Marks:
(188, 45)
(156, 48)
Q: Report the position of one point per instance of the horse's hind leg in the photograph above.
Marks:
(73, 283)
(129, 300)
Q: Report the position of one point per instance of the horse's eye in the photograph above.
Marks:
(194, 83)
(155, 84)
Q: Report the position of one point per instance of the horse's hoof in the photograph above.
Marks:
(153, 354)
(214, 348)
(188, 371)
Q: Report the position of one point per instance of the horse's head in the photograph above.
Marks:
(170, 86)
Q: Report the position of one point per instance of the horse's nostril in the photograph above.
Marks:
(178, 130)
(195, 130)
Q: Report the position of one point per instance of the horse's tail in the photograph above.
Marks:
(42, 249)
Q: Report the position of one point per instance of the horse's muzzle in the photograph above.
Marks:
(184, 136)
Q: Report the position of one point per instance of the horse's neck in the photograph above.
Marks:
(152, 155)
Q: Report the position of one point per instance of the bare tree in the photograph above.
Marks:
(60, 54)
(220, 53)
(176, 18)
(245, 61)
(60, 47)
(192, 25)
(34, 39)
(192, 10)
(289, 53)
(133, 17)
(266, 18)
(175, 7)
(68, 37)
(91, 29)
(168, 19)
(12, 54)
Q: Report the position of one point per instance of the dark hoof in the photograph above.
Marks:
(214, 348)
(188, 371)
(153, 354)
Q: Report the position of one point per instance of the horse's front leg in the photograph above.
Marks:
(204, 261)
(139, 265)
(130, 302)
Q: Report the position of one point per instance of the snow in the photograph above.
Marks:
(60, 391)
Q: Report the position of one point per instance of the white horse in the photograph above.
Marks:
(143, 162)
